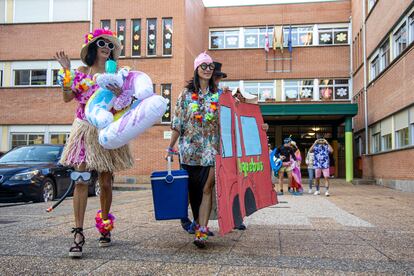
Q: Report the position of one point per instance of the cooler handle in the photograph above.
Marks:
(169, 178)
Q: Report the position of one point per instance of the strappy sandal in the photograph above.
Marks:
(76, 251)
(105, 239)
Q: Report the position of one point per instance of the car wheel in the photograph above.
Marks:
(48, 192)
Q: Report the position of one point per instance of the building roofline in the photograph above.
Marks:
(274, 4)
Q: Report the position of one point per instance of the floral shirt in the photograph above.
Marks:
(83, 86)
(198, 143)
(321, 156)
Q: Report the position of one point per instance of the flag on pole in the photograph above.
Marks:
(266, 47)
(290, 39)
(278, 38)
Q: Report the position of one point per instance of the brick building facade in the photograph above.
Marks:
(384, 150)
(290, 86)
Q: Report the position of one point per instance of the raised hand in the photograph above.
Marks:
(63, 59)
(115, 88)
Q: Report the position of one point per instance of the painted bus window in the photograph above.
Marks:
(238, 143)
(251, 136)
(225, 124)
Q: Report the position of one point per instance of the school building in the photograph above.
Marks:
(313, 84)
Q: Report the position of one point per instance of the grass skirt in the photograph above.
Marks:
(82, 146)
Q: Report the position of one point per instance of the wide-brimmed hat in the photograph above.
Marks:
(249, 97)
(217, 70)
(101, 33)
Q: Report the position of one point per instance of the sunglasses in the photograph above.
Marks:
(101, 44)
(75, 176)
(210, 66)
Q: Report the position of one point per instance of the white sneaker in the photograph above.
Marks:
(310, 191)
(327, 193)
(317, 193)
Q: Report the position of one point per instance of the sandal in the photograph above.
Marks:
(76, 250)
(201, 236)
(105, 239)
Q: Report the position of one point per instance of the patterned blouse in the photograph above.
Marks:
(321, 156)
(83, 86)
(198, 142)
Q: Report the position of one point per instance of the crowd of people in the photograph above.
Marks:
(318, 160)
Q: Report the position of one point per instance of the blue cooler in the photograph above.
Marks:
(170, 193)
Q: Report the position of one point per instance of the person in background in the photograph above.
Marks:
(285, 153)
(218, 76)
(311, 171)
(321, 150)
(296, 181)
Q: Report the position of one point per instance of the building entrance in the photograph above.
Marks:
(305, 135)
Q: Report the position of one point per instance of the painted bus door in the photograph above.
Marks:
(243, 179)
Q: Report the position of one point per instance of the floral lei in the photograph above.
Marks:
(210, 112)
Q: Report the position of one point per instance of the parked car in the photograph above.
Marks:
(32, 173)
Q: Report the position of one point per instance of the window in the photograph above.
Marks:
(58, 138)
(334, 89)
(50, 10)
(400, 40)
(31, 11)
(22, 139)
(230, 84)
(402, 137)
(55, 77)
(329, 36)
(301, 36)
(29, 77)
(385, 54)
(251, 138)
(387, 142)
(376, 143)
(411, 26)
(224, 39)
(166, 93)
(120, 32)
(106, 24)
(69, 10)
(151, 37)
(298, 89)
(341, 88)
(136, 37)
(225, 125)
(1, 78)
(375, 67)
(371, 4)
(256, 37)
(264, 90)
(238, 141)
(2, 11)
(167, 32)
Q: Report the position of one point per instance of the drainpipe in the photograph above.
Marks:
(351, 62)
(90, 15)
(364, 54)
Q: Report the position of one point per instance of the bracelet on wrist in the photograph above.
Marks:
(171, 150)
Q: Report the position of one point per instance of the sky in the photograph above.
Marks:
(215, 3)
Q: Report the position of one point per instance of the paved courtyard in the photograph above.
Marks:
(359, 230)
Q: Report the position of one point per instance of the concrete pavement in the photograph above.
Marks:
(359, 230)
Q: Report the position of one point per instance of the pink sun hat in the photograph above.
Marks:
(202, 58)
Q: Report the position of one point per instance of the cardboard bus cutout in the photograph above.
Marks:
(243, 174)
